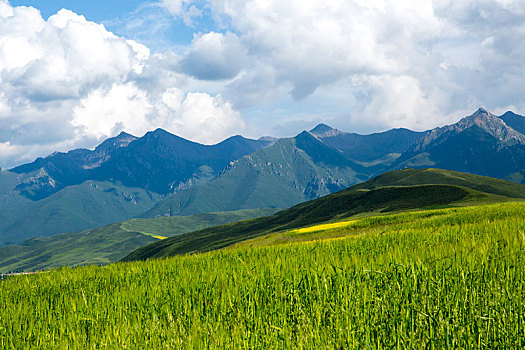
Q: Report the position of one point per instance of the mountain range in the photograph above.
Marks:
(479, 144)
(325, 160)
(121, 178)
(161, 174)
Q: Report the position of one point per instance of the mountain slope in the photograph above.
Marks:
(291, 171)
(158, 162)
(392, 192)
(108, 243)
(45, 176)
(121, 178)
(305, 167)
(479, 144)
(367, 148)
(515, 121)
(78, 207)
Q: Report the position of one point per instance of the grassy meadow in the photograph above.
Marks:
(110, 243)
(443, 278)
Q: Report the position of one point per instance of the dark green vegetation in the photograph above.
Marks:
(409, 177)
(447, 278)
(394, 191)
(108, 243)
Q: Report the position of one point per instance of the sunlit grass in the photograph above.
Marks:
(448, 278)
(323, 227)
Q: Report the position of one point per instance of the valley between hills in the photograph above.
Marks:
(419, 234)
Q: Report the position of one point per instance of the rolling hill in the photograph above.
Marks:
(401, 190)
(109, 243)
(431, 279)
(77, 207)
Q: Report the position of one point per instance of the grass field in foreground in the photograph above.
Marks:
(443, 278)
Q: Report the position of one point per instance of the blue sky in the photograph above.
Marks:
(93, 10)
(209, 69)
(130, 18)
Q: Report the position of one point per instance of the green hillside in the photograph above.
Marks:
(387, 193)
(108, 243)
(407, 177)
(291, 171)
(90, 204)
(437, 279)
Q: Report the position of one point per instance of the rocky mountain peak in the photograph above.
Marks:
(482, 119)
(323, 130)
(482, 112)
(121, 140)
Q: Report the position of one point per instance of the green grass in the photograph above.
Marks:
(109, 243)
(432, 188)
(446, 278)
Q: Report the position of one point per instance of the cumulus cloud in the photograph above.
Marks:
(197, 116)
(363, 65)
(207, 118)
(67, 82)
(109, 111)
(215, 56)
(253, 87)
(311, 43)
(439, 57)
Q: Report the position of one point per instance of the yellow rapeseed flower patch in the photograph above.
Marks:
(324, 227)
(159, 237)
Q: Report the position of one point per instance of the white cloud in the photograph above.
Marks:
(215, 56)
(311, 43)
(253, 87)
(207, 119)
(182, 9)
(67, 82)
(364, 64)
(456, 55)
(198, 116)
(172, 99)
(63, 56)
(399, 101)
(107, 112)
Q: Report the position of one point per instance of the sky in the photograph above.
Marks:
(73, 73)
